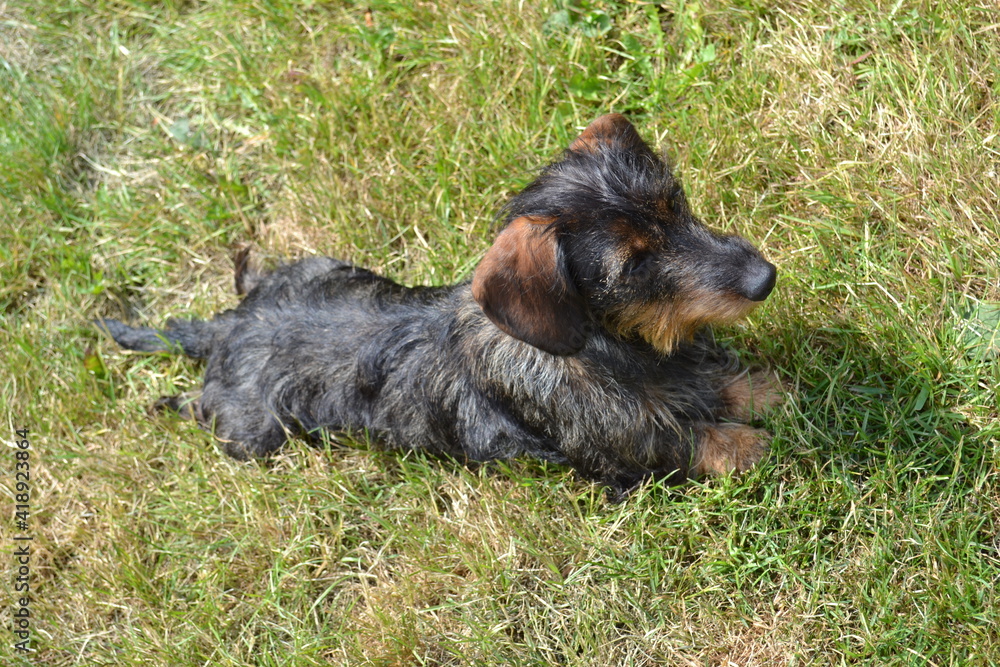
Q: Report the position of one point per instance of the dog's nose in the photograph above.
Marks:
(759, 280)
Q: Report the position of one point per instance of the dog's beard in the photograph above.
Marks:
(665, 324)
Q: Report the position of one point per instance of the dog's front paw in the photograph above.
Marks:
(726, 448)
(751, 395)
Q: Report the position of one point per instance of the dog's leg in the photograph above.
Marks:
(245, 276)
(185, 404)
(724, 448)
(752, 394)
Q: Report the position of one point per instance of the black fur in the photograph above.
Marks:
(547, 353)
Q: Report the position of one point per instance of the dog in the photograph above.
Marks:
(582, 338)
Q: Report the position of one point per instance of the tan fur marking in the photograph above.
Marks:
(630, 242)
(726, 448)
(519, 248)
(522, 289)
(518, 252)
(753, 394)
(601, 132)
(665, 324)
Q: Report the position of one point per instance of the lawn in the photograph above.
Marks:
(856, 143)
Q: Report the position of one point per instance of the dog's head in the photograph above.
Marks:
(604, 237)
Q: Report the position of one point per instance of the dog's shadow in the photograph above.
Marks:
(867, 407)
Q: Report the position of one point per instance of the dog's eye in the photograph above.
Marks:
(638, 265)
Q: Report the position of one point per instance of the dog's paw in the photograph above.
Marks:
(186, 405)
(753, 394)
(726, 448)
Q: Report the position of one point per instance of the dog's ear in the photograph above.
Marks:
(523, 287)
(610, 130)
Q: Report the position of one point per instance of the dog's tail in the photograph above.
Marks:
(192, 337)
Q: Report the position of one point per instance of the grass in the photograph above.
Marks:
(856, 143)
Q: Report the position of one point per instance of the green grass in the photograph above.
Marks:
(856, 143)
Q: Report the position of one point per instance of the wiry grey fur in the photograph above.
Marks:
(320, 344)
